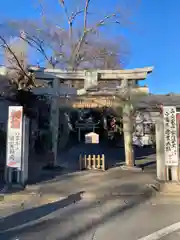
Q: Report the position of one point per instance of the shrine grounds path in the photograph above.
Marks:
(114, 205)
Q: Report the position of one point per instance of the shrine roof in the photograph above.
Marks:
(153, 100)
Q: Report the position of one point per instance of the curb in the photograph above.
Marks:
(169, 189)
(44, 198)
(16, 198)
(30, 194)
(133, 169)
(23, 198)
(146, 190)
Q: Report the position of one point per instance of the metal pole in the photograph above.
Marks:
(55, 120)
(18, 176)
(9, 175)
(79, 134)
(25, 151)
(7, 169)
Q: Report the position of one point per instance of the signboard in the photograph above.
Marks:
(178, 124)
(92, 138)
(91, 79)
(14, 137)
(170, 136)
(98, 103)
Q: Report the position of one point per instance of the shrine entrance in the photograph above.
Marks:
(97, 83)
(92, 115)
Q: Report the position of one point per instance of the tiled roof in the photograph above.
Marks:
(154, 100)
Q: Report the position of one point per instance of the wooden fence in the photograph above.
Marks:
(92, 162)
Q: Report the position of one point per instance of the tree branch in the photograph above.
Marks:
(75, 54)
(22, 72)
(86, 14)
(70, 19)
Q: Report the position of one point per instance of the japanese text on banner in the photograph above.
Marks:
(14, 142)
(170, 136)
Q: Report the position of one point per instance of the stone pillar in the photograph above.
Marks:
(127, 129)
(160, 157)
(55, 120)
(91, 79)
(127, 125)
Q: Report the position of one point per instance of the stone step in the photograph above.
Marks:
(165, 199)
(170, 188)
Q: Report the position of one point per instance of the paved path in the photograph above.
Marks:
(89, 205)
(112, 205)
(115, 219)
(93, 206)
(172, 236)
(169, 232)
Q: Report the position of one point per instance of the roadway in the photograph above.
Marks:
(149, 220)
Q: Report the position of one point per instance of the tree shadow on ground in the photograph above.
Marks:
(115, 213)
(33, 214)
(75, 233)
(143, 152)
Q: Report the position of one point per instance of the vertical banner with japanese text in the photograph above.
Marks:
(14, 137)
(170, 136)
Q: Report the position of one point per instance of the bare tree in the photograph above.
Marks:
(84, 47)
(15, 56)
(80, 44)
(17, 83)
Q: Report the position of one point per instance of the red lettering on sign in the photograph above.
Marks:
(15, 119)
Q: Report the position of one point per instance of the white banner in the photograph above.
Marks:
(170, 136)
(14, 137)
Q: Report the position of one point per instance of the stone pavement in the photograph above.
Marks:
(93, 186)
(86, 198)
(86, 205)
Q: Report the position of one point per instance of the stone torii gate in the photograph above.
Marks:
(80, 86)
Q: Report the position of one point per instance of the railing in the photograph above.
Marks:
(92, 162)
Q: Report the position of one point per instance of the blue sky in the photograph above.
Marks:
(154, 38)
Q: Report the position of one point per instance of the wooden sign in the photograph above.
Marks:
(98, 103)
(92, 138)
(170, 136)
(14, 137)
